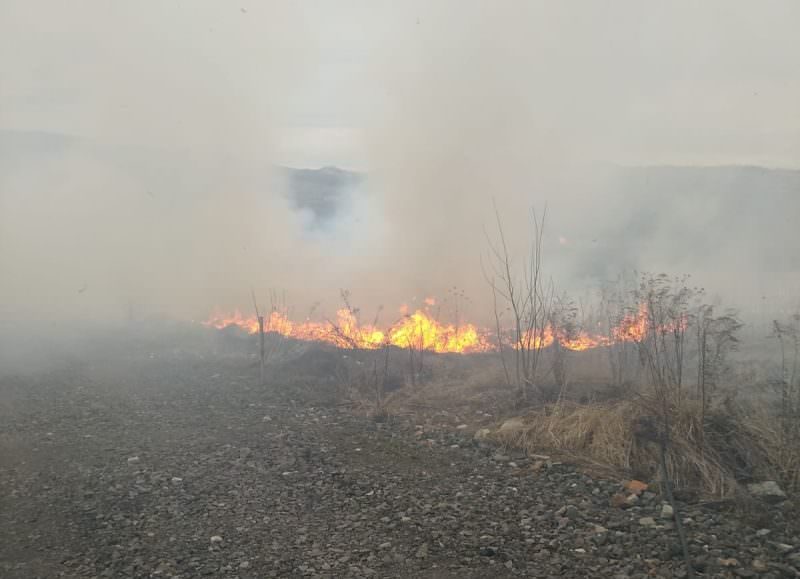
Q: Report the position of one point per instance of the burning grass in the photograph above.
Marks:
(422, 330)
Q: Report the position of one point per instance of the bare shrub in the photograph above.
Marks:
(564, 327)
(521, 291)
(623, 357)
(788, 336)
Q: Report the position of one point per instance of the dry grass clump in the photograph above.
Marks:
(714, 457)
(777, 441)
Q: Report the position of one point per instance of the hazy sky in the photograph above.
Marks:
(177, 111)
(315, 82)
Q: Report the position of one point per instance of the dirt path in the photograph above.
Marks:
(210, 478)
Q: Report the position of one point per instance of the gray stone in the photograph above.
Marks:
(422, 552)
(768, 491)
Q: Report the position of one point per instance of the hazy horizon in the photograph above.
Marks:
(142, 145)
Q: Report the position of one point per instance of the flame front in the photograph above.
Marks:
(420, 331)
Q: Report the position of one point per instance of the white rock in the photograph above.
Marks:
(768, 491)
(512, 424)
(647, 522)
(216, 539)
(482, 434)
(133, 460)
(666, 512)
(176, 480)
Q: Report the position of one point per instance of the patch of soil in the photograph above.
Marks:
(159, 468)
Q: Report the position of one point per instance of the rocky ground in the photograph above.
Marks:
(158, 469)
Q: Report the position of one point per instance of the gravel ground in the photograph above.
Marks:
(157, 469)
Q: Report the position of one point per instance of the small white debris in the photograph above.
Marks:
(176, 480)
(266, 419)
(512, 424)
(216, 539)
(461, 426)
(133, 460)
(513, 464)
(482, 434)
(666, 511)
(768, 491)
(358, 450)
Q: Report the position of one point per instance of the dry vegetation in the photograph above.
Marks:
(718, 424)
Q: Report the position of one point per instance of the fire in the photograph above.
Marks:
(421, 331)
(418, 330)
(632, 328)
(584, 341)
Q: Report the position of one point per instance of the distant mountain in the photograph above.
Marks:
(17, 145)
(701, 218)
(324, 192)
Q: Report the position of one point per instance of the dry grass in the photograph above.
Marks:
(777, 442)
(736, 443)
(714, 460)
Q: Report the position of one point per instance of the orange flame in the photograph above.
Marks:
(421, 331)
(417, 330)
(632, 328)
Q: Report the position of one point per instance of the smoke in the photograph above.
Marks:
(143, 149)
